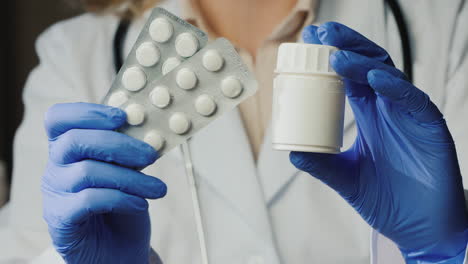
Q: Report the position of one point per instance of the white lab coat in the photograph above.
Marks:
(265, 213)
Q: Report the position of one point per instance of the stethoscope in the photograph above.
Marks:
(118, 45)
(122, 29)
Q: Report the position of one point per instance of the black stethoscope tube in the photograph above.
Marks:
(404, 37)
(122, 30)
(119, 39)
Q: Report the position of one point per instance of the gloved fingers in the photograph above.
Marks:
(357, 90)
(103, 145)
(97, 201)
(335, 170)
(345, 38)
(85, 174)
(355, 67)
(63, 117)
(404, 94)
(309, 35)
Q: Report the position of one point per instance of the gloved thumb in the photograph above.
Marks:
(335, 170)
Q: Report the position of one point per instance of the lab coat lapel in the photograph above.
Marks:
(274, 168)
(223, 162)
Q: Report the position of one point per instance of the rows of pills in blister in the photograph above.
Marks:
(148, 54)
(160, 97)
(176, 104)
(198, 87)
(163, 44)
(186, 79)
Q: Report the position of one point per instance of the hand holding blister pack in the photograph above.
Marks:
(173, 83)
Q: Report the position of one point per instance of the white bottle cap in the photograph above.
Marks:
(302, 58)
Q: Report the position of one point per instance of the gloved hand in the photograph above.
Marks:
(94, 198)
(402, 174)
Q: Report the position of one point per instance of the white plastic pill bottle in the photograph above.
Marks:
(308, 100)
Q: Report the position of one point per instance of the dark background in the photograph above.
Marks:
(23, 21)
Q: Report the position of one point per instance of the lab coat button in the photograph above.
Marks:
(256, 260)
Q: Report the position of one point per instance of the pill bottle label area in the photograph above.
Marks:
(309, 117)
(173, 83)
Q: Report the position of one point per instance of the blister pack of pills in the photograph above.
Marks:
(173, 83)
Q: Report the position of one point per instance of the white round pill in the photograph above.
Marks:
(161, 30)
(135, 114)
(186, 44)
(154, 139)
(170, 64)
(117, 99)
(231, 87)
(179, 123)
(133, 79)
(186, 79)
(148, 54)
(212, 60)
(205, 105)
(160, 96)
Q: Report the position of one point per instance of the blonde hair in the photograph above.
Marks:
(124, 8)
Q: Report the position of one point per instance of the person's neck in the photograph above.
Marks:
(247, 23)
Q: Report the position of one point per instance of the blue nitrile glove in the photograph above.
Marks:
(402, 174)
(94, 199)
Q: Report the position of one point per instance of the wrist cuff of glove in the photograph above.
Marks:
(451, 251)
